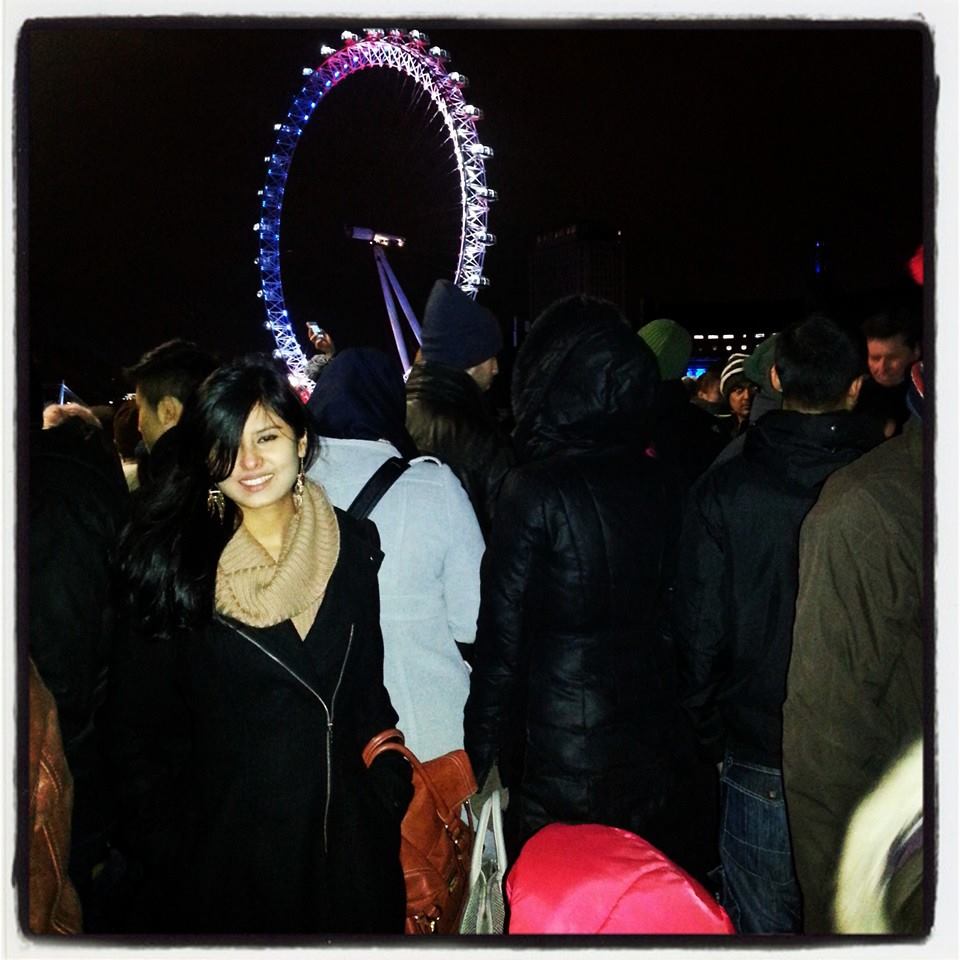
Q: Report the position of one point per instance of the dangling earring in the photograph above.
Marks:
(298, 489)
(215, 503)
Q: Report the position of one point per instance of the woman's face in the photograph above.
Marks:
(268, 462)
(741, 399)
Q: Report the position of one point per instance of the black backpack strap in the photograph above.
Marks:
(381, 481)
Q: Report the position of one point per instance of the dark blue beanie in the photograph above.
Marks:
(457, 331)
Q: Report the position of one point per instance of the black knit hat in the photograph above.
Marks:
(456, 331)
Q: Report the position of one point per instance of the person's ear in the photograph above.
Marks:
(775, 379)
(853, 391)
(302, 446)
(169, 410)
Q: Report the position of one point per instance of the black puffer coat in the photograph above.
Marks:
(574, 580)
(448, 418)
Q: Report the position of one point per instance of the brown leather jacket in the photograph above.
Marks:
(53, 902)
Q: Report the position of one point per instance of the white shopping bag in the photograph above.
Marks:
(484, 912)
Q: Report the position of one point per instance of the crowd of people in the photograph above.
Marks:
(690, 609)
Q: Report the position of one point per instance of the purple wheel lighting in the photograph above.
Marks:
(407, 53)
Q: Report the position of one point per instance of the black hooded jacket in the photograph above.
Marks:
(575, 575)
(737, 585)
(361, 397)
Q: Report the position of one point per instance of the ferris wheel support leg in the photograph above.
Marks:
(400, 295)
(391, 310)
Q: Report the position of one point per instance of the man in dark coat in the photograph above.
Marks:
(893, 345)
(164, 378)
(574, 686)
(447, 413)
(78, 501)
(735, 603)
(756, 368)
(855, 690)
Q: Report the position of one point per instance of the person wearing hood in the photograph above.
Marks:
(430, 575)
(574, 687)
(735, 599)
(447, 412)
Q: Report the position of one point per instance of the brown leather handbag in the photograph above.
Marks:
(435, 842)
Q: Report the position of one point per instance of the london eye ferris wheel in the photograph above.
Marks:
(411, 55)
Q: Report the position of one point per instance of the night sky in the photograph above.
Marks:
(722, 154)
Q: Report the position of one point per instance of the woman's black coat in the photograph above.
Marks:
(574, 688)
(223, 770)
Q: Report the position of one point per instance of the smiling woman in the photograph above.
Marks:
(268, 467)
(239, 712)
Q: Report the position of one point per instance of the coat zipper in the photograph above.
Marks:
(333, 702)
(328, 711)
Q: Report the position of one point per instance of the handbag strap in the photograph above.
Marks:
(392, 741)
(373, 490)
(375, 747)
(491, 816)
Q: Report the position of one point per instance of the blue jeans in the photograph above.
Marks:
(760, 890)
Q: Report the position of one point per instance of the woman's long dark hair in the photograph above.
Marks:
(170, 548)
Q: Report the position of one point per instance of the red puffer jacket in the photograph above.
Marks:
(595, 879)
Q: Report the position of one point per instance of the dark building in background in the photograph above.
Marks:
(580, 258)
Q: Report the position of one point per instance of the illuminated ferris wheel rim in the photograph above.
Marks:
(409, 54)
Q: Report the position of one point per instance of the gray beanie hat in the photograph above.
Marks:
(457, 331)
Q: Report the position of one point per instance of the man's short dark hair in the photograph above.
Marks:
(709, 377)
(899, 318)
(817, 358)
(173, 369)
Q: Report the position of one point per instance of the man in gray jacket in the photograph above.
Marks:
(855, 688)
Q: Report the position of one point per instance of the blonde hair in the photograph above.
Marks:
(884, 834)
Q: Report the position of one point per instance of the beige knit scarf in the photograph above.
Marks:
(257, 590)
